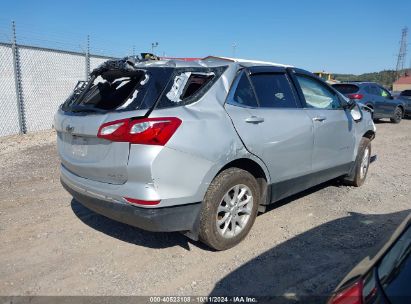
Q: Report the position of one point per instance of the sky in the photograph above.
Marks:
(336, 36)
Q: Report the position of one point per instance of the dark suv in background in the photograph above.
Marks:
(375, 97)
(406, 97)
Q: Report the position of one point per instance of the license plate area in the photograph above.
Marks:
(79, 146)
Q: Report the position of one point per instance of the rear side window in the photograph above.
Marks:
(244, 93)
(346, 88)
(317, 95)
(273, 90)
(188, 85)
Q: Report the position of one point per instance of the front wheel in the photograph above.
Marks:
(362, 162)
(397, 115)
(229, 209)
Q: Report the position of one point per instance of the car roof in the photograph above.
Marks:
(209, 61)
(359, 83)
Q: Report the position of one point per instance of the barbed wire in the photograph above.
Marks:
(33, 35)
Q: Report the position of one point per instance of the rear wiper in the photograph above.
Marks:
(78, 108)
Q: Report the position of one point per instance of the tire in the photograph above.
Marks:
(361, 165)
(398, 114)
(218, 204)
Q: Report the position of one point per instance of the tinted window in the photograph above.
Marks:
(244, 94)
(317, 95)
(375, 90)
(394, 271)
(273, 91)
(367, 89)
(406, 93)
(346, 88)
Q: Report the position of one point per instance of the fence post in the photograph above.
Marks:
(88, 57)
(18, 84)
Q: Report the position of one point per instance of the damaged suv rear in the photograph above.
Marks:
(183, 146)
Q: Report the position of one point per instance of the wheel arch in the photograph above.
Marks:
(255, 168)
(370, 134)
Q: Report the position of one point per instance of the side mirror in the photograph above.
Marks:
(356, 113)
(349, 105)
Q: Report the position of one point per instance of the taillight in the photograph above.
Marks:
(141, 202)
(350, 295)
(146, 131)
(355, 96)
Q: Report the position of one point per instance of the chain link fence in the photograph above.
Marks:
(34, 81)
(9, 122)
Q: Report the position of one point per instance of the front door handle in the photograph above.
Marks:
(319, 118)
(254, 119)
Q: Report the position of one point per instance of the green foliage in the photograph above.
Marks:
(385, 78)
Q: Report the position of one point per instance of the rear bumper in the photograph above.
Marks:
(167, 219)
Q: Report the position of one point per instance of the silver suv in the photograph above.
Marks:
(201, 147)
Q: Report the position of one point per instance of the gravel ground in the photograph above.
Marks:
(51, 245)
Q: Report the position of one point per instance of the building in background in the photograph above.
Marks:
(403, 83)
(326, 76)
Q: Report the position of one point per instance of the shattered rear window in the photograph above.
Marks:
(141, 89)
(121, 92)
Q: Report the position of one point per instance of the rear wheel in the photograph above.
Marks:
(229, 209)
(398, 114)
(362, 162)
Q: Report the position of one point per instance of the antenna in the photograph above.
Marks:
(403, 52)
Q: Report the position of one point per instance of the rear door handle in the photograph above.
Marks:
(254, 119)
(319, 118)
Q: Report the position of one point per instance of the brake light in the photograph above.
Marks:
(146, 131)
(141, 202)
(355, 96)
(350, 295)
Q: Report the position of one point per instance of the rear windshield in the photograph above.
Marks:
(160, 87)
(345, 88)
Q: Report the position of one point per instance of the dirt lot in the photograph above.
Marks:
(51, 245)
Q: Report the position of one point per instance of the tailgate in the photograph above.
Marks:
(84, 154)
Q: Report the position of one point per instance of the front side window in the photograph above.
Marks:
(273, 90)
(384, 93)
(317, 95)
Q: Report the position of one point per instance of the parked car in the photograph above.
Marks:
(202, 146)
(374, 96)
(406, 97)
(384, 278)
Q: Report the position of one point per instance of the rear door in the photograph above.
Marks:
(379, 101)
(268, 117)
(334, 131)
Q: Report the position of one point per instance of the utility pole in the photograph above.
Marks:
(88, 57)
(153, 45)
(18, 83)
(234, 46)
(402, 53)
